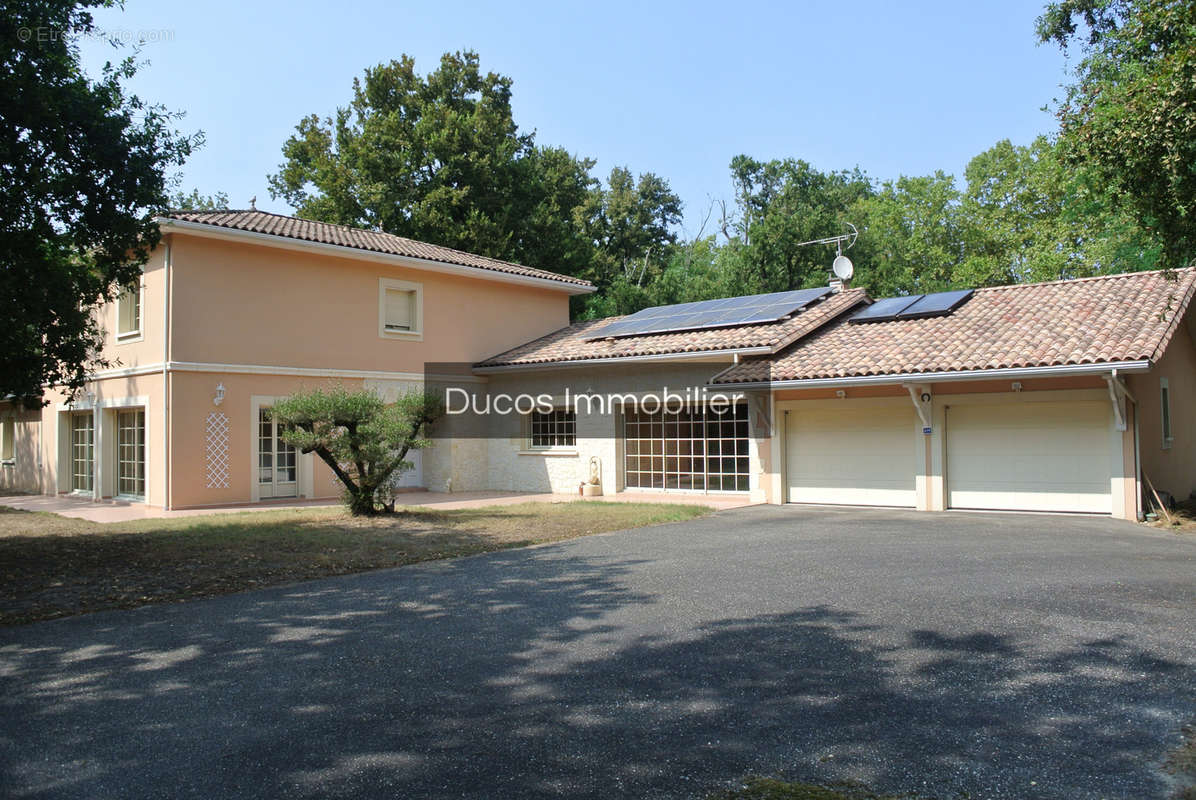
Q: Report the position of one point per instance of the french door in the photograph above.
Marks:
(276, 462)
(130, 453)
(82, 452)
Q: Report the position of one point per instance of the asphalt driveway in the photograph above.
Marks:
(985, 656)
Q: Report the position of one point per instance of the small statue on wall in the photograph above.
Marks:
(593, 487)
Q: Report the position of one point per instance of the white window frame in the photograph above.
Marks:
(124, 448)
(137, 334)
(530, 447)
(416, 334)
(1166, 427)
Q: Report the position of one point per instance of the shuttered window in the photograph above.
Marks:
(400, 305)
(400, 309)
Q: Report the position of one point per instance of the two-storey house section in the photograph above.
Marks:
(237, 309)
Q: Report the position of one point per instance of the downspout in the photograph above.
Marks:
(166, 373)
(1140, 512)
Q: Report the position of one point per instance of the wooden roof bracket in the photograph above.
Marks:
(919, 406)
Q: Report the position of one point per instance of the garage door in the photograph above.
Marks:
(1029, 457)
(854, 455)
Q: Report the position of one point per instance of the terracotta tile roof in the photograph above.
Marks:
(359, 239)
(1086, 321)
(571, 343)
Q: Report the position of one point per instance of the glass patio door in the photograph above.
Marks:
(275, 460)
(82, 452)
(130, 454)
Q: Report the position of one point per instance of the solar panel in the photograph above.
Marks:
(934, 305)
(720, 313)
(915, 306)
(886, 309)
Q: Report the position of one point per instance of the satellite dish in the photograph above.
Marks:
(842, 268)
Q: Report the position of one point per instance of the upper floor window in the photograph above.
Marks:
(1165, 406)
(556, 428)
(128, 311)
(400, 309)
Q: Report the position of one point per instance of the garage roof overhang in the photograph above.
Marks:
(721, 356)
(1012, 373)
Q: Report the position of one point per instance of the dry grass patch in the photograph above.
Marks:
(54, 566)
(1183, 519)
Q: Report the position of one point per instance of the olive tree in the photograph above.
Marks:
(362, 439)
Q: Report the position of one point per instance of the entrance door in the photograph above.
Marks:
(275, 460)
(130, 454)
(82, 452)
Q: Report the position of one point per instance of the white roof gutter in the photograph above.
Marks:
(171, 225)
(1013, 373)
(734, 354)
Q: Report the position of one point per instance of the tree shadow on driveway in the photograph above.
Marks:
(542, 674)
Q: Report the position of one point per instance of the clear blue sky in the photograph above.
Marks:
(677, 89)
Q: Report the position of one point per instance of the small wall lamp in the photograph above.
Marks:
(219, 398)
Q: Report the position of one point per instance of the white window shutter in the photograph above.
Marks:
(399, 303)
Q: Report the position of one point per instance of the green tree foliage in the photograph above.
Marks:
(85, 169)
(194, 201)
(1130, 115)
(781, 204)
(1028, 216)
(1022, 214)
(910, 235)
(629, 226)
(363, 440)
(439, 158)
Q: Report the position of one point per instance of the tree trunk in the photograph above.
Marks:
(361, 503)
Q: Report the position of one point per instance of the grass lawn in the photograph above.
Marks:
(52, 566)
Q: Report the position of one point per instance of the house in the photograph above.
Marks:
(237, 309)
(1061, 396)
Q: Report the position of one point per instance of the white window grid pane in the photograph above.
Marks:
(265, 447)
(556, 428)
(285, 458)
(696, 449)
(276, 460)
(82, 456)
(130, 455)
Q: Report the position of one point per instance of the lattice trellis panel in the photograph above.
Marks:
(216, 450)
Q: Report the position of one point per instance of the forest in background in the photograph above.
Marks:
(439, 157)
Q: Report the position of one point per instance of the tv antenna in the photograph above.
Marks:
(842, 266)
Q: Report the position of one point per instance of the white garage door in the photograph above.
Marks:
(1030, 457)
(852, 455)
